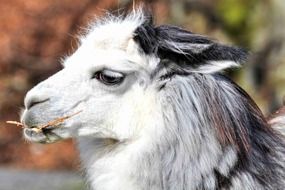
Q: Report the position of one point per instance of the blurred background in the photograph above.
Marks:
(36, 34)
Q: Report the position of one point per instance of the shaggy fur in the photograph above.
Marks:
(173, 123)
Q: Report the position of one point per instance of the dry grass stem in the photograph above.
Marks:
(15, 123)
(57, 121)
(54, 123)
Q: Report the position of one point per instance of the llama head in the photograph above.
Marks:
(115, 76)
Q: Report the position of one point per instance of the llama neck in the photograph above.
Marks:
(124, 166)
(144, 166)
(107, 166)
(172, 165)
(157, 166)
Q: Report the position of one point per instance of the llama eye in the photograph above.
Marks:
(109, 77)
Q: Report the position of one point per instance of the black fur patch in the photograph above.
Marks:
(182, 47)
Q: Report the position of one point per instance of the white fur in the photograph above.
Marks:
(216, 66)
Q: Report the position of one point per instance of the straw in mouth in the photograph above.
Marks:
(53, 123)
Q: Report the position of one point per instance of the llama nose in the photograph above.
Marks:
(35, 101)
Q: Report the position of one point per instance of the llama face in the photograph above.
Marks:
(106, 79)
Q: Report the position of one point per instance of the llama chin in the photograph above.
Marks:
(157, 112)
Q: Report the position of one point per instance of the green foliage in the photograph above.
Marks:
(236, 16)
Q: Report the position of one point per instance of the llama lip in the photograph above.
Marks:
(42, 124)
(31, 135)
(44, 130)
(34, 134)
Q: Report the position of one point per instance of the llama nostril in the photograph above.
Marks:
(34, 101)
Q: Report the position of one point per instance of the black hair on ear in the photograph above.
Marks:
(184, 47)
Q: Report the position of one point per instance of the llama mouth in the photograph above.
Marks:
(46, 135)
(48, 132)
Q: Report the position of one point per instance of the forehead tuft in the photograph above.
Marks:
(114, 32)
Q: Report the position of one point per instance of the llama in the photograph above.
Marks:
(156, 111)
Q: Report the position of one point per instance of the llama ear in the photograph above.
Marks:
(218, 57)
(189, 51)
(196, 52)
